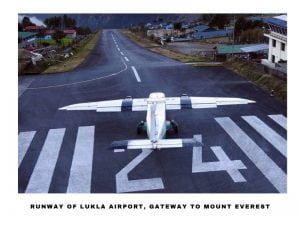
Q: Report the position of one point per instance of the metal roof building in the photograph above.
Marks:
(241, 49)
(212, 34)
(256, 48)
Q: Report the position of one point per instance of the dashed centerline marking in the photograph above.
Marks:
(122, 53)
(136, 74)
(126, 59)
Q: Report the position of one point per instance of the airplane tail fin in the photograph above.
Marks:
(160, 144)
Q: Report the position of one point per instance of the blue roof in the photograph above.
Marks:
(24, 35)
(201, 28)
(256, 48)
(277, 22)
(212, 34)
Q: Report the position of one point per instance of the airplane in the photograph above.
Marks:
(156, 125)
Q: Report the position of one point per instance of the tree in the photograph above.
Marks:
(20, 28)
(219, 20)
(177, 25)
(41, 33)
(255, 35)
(58, 35)
(53, 22)
(240, 25)
(83, 30)
(26, 22)
(68, 21)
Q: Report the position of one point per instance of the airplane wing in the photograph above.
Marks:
(186, 102)
(120, 105)
(172, 103)
(163, 143)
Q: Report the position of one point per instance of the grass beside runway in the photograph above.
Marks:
(73, 62)
(263, 80)
(163, 50)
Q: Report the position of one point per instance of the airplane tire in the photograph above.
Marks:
(174, 126)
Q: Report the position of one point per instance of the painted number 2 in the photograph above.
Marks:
(123, 184)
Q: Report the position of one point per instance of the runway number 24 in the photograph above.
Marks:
(232, 167)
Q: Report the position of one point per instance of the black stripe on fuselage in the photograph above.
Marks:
(119, 144)
(126, 105)
(185, 102)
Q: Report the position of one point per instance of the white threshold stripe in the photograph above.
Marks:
(119, 150)
(126, 59)
(269, 134)
(280, 119)
(136, 74)
(261, 160)
(24, 141)
(41, 176)
(81, 169)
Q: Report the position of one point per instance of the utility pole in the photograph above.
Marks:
(233, 34)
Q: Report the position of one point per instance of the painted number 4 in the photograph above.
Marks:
(232, 167)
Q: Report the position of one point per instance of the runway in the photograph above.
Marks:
(245, 146)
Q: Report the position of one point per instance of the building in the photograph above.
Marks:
(276, 31)
(27, 40)
(202, 35)
(71, 33)
(34, 28)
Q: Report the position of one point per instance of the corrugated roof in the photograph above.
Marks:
(281, 17)
(256, 48)
(23, 35)
(212, 34)
(231, 49)
(201, 28)
(278, 22)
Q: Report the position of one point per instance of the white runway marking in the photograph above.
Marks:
(232, 167)
(280, 119)
(270, 135)
(84, 81)
(126, 59)
(136, 74)
(119, 150)
(120, 50)
(23, 84)
(122, 53)
(123, 184)
(262, 161)
(81, 169)
(24, 140)
(43, 171)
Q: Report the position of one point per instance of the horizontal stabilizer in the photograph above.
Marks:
(160, 144)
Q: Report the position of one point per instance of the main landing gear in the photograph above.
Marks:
(141, 128)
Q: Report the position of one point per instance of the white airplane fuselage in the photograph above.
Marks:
(156, 117)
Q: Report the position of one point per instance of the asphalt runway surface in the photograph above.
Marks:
(69, 151)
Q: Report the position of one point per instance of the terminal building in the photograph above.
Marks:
(277, 33)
